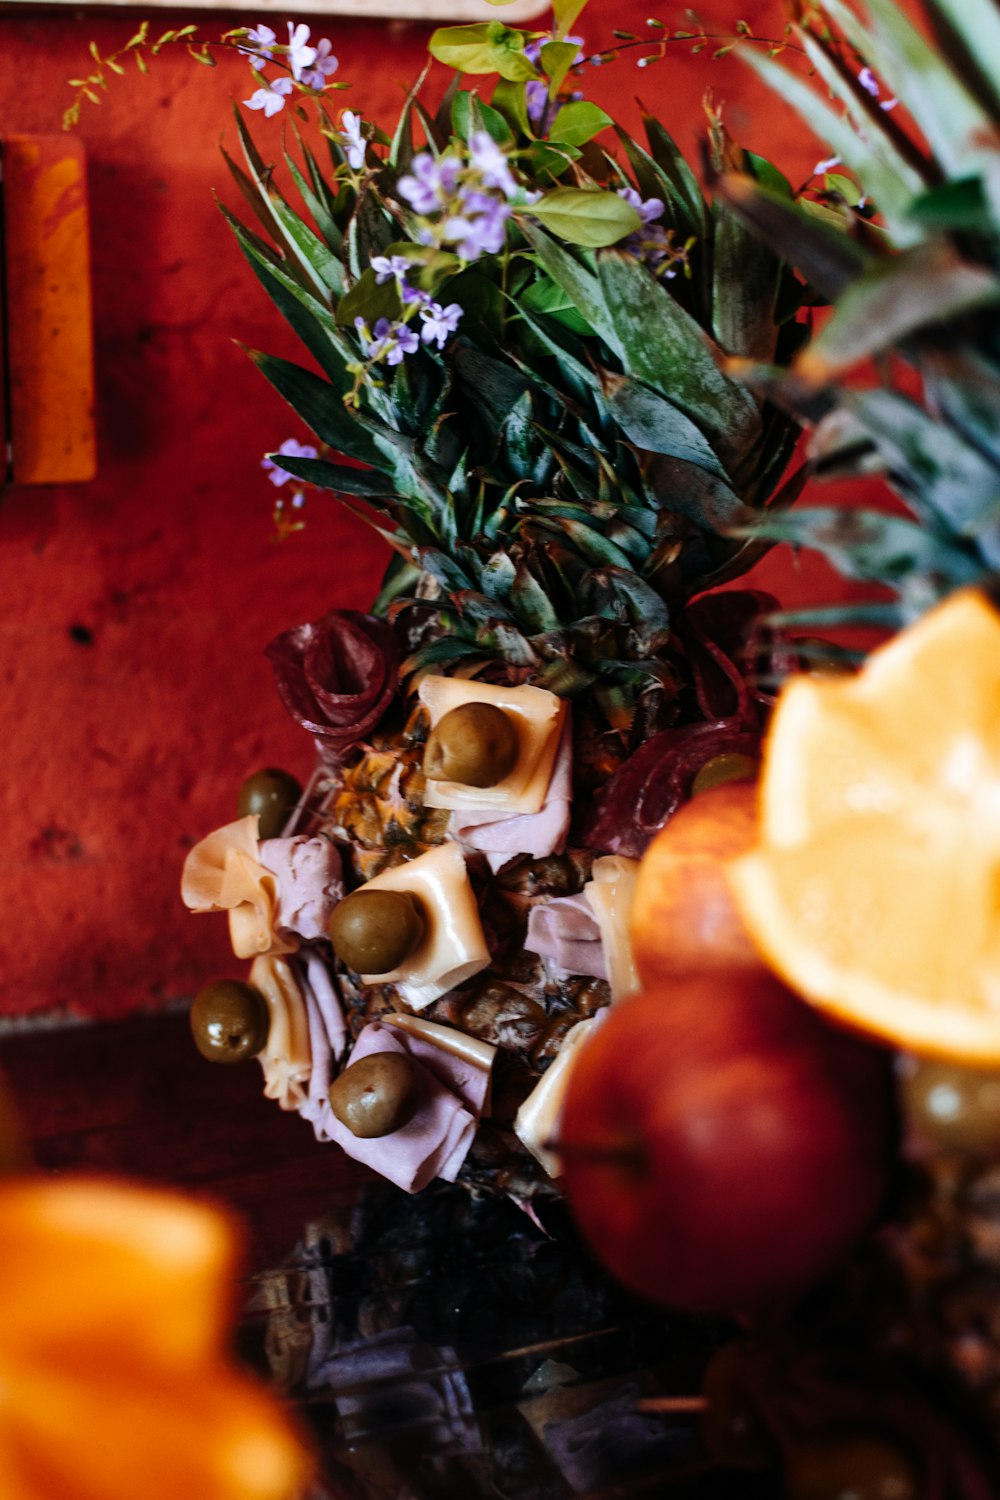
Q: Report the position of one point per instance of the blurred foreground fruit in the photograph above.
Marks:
(873, 891)
(684, 915)
(114, 1381)
(723, 1146)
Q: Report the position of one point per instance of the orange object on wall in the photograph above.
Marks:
(49, 345)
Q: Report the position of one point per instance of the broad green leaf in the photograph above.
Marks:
(578, 122)
(557, 58)
(654, 423)
(664, 346)
(469, 114)
(745, 274)
(892, 300)
(670, 158)
(338, 477)
(582, 288)
(545, 297)
(509, 100)
(489, 47)
(370, 300)
(546, 164)
(319, 406)
(583, 216)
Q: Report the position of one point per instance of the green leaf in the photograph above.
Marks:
(338, 477)
(319, 406)
(545, 297)
(565, 13)
(489, 47)
(583, 216)
(509, 100)
(745, 274)
(654, 423)
(961, 204)
(578, 122)
(557, 58)
(892, 300)
(469, 113)
(530, 601)
(976, 24)
(546, 164)
(664, 346)
(671, 160)
(370, 300)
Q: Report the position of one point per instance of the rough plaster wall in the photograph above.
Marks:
(133, 610)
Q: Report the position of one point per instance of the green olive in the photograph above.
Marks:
(271, 794)
(229, 1021)
(374, 931)
(377, 1095)
(954, 1107)
(849, 1466)
(730, 766)
(475, 744)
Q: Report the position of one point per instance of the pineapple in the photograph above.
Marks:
(558, 474)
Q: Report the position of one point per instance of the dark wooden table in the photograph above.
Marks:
(438, 1347)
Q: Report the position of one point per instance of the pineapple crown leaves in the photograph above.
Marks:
(567, 462)
(918, 125)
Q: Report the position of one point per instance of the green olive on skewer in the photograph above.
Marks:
(374, 931)
(377, 1095)
(229, 1021)
(475, 744)
(271, 794)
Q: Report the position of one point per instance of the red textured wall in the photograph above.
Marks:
(135, 608)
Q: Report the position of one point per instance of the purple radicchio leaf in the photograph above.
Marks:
(336, 676)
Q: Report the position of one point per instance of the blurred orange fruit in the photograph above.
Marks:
(684, 916)
(874, 887)
(114, 1378)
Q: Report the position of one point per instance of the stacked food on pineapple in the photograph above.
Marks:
(521, 335)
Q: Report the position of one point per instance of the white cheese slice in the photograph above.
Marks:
(537, 1121)
(287, 1055)
(471, 1049)
(611, 892)
(453, 947)
(536, 715)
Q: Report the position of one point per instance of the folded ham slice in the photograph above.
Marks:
(309, 876)
(501, 836)
(436, 1141)
(327, 1036)
(567, 933)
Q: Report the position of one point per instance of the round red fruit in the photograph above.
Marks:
(724, 1146)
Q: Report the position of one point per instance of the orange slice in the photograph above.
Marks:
(875, 886)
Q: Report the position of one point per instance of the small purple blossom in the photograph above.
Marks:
(271, 97)
(262, 39)
(412, 295)
(300, 54)
(484, 233)
(388, 343)
(431, 182)
(826, 165)
(491, 163)
(869, 82)
(351, 139)
(536, 99)
(324, 66)
(439, 322)
(648, 209)
(290, 448)
(390, 267)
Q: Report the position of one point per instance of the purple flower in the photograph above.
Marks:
(388, 267)
(291, 448)
(262, 39)
(270, 98)
(439, 322)
(300, 54)
(491, 163)
(533, 51)
(324, 66)
(351, 139)
(869, 83)
(648, 209)
(536, 98)
(412, 294)
(485, 233)
(388, 344)
(431, 183)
